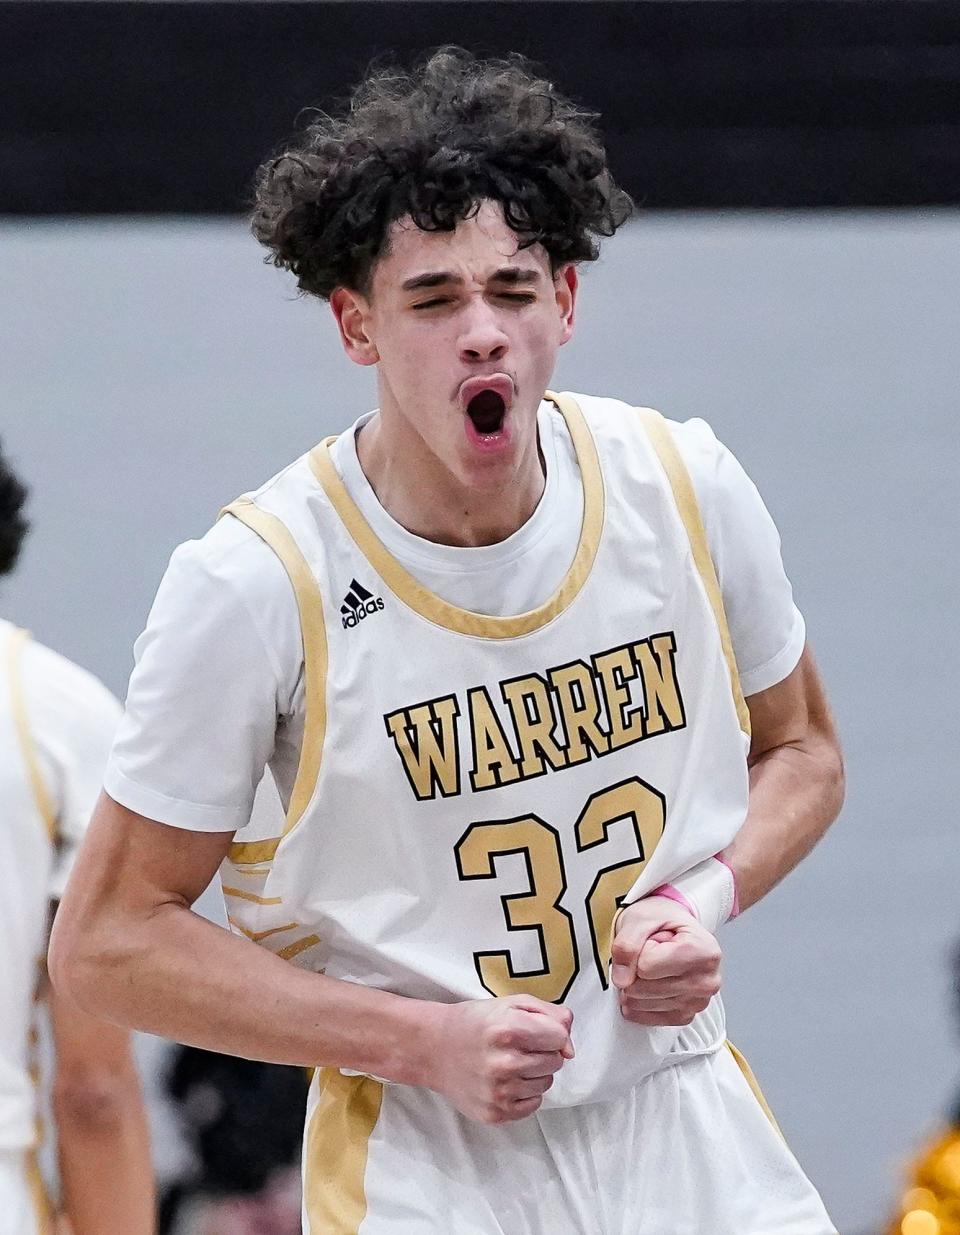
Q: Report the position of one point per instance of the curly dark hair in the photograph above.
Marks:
(13, 525)
(431, 145)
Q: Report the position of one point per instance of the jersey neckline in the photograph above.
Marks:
(440, 612)
(416, 554)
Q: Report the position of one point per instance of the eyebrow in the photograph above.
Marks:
(436, 278)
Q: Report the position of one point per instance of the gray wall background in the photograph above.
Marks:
(151, 370)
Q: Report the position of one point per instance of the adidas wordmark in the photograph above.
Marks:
(358, 604)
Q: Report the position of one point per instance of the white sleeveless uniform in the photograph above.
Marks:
(30, 833)
(56, 725)
(476, 796)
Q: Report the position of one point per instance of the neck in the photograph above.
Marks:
(422, 495)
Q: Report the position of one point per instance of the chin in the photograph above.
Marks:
(487, 474)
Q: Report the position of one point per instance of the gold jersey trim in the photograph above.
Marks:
(41, 794)
(243, 895)
(256, 936)
(43, 1211)
(253, 852)
(686, 500)
(277, 536)
(300, 945)
(42, 1203)
(313, 633)
(335, 1159)
(452, 617)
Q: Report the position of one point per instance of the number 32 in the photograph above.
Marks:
(539, 908)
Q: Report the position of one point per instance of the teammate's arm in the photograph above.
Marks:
(127, 945)
(102, 1137)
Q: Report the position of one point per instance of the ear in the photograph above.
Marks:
(352, 311)
(566, 284)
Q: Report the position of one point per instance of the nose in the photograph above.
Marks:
(482, 337)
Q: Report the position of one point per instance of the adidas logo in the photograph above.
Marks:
(358, 604)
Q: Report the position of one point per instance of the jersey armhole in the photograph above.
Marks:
(274, 533)
(689, 510)
(41, 794)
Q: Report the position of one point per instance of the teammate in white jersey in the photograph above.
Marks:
(529, 678)
(56, 726)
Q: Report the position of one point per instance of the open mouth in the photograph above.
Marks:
(487, 410)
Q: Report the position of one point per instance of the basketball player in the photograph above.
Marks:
(533, 753)
(56, 726)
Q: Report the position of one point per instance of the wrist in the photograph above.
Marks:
(735, 906)
(388, 1036)
(671, 892)
(708, 891)
(419, 1042)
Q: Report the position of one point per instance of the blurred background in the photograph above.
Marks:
(792, 276)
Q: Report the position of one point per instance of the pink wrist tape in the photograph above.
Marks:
(709, 888)
(674, 894)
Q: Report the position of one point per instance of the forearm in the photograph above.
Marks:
(796, 792)
(105, 1168)
(173, 973)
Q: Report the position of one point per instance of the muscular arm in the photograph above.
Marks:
(127, 944)
(102, 1137)
(796, 781)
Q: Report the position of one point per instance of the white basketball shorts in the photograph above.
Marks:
(689, 1151)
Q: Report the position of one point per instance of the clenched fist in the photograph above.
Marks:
(666, 966)
(496, 1058)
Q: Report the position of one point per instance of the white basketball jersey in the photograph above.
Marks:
(29, 829)
(476, 795)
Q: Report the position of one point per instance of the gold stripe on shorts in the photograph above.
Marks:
(752, 1082)
(335, 1157)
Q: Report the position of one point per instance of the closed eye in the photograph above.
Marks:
(514, 297)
